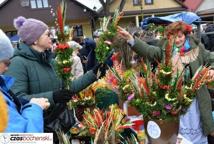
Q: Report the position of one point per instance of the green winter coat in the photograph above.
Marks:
(35, 75)
(153, 53)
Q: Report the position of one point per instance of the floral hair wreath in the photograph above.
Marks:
(175, 27)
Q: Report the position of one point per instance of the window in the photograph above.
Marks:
(148, 2)
(25, 3)
(136, 2)
(45, 3)
(39, 4)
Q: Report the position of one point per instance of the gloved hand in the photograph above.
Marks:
(100, 70)
(62, 96)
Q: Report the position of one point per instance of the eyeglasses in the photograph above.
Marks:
(49, 34)
(6, 62)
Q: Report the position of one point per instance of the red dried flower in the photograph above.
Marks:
(60, 19)
(156, 113)
(92, 130)
(67, 70)
(115, 56)
(63, 46)
(165, 87)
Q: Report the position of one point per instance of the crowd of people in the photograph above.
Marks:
(34, 93)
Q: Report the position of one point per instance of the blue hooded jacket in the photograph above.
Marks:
(26, 118)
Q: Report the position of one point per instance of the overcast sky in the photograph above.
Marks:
(91, 3)
(1, 1)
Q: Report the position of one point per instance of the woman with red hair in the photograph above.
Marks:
(187, 52)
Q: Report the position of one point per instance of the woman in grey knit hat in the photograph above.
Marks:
(32, 66)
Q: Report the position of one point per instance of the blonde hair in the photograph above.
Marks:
(4, 113)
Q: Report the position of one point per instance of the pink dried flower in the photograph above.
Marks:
(156, 113)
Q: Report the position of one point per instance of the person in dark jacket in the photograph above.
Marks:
(187, 50)
(205, 41)
(23, 116)
(87, 54)
(208, 41)
(210, 33)
(32, 66)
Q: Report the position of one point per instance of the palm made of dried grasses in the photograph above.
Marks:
(161, 94)
(63, 51)
(109, 28)
(105, 127)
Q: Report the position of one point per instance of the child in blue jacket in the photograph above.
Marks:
(23, 116)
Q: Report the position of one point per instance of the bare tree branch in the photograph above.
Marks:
(106, 6)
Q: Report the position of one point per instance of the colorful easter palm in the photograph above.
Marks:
(63, 51)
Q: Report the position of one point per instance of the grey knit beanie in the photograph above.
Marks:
(6, 48)
(30, 29)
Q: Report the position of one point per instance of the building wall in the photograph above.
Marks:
(157, 4)
(166, 7)
(13, 9)
(86, 25)
(205, 5)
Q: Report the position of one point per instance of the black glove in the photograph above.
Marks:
(100, 70)
(62, 96)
